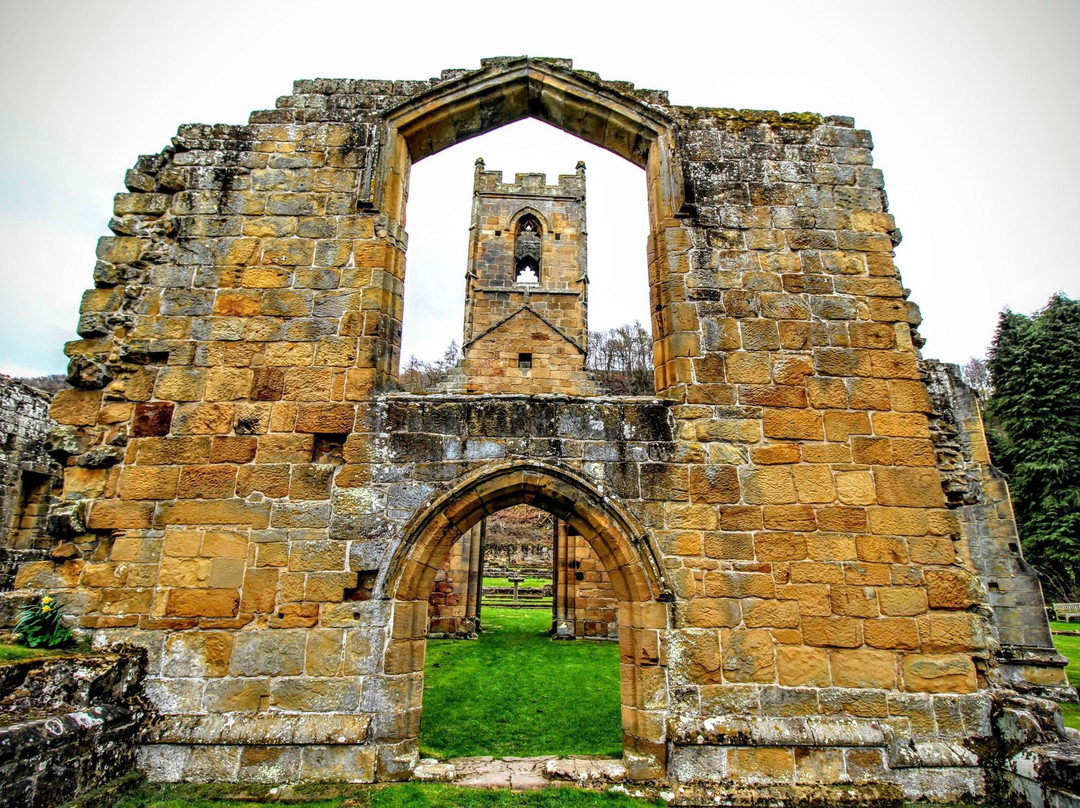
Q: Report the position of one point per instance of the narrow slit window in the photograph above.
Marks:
(525, 361)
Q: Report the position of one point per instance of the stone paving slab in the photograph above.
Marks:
(521, 774)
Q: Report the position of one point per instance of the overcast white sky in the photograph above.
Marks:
(973, 108)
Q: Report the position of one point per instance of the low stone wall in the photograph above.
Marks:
(67, 725)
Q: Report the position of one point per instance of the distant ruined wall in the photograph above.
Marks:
(28, 476)
(800, 611)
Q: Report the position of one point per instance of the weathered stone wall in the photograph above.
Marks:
(793, 588)
(595, 605)
(27, 476)
(1027, 659)
(67, 726)
(454, 602)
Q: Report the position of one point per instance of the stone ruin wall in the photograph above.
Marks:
(1014, 604)
(28, 475)
(594, 603)
(799, 607)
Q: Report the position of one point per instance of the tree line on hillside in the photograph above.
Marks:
(1030, 385)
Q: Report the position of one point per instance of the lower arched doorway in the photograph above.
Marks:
(618, 542)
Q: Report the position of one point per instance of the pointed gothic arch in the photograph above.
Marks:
(508, 90)
(618, 540)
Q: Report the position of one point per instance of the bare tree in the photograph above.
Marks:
(621, 359)
(419, 375)
(977, 376)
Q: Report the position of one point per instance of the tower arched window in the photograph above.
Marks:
(527, 250)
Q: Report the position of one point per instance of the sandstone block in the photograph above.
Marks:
(234, 695)
(776, 454)
(863, 668)
(964, 631)
(207, 482)
(855, 601)
(165, 451)
(900, 425)
(268, 653)
(868, 394)
(704, 657)
(893, 633)
(814, 484)
(792, 424)
(789, 517)
(214, 512)
(714, 484)
(75, 407)
(855, 488)
(939, 673)
(260, 592)
(110, 514)
(748, 367)
(180, 384)
(203, 603)
(184, 572)
(780, 546)
(759, 613)
(952, 589)
(49, 574)
(771, 485)
(747, 656)
(842, 519)
(909, 487)
(310, 481)
(760, 764)
(152, 419)
(799, 666)
(931, 550)
(839, 426)
(333, 695)
(233, 449)
(199, 653)
(882, 549)
(148, 482)
(826, 393)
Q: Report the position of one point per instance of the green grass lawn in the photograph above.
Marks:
(1069, 647)
(13, 653)
(404, 795)
(537, 583)
(516, 692)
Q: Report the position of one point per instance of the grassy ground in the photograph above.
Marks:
(14, 653)
(537, 583)
(406, 795)
(516, 692)
(1069, 647)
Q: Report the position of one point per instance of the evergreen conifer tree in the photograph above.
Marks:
(1034, 417)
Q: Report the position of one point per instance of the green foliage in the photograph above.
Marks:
(41, 625)
(517, 692)
(1034, 420)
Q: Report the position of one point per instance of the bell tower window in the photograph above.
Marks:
(527, 251)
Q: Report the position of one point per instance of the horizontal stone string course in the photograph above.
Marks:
(263, 512)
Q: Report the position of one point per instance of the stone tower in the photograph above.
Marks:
(526, 326)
